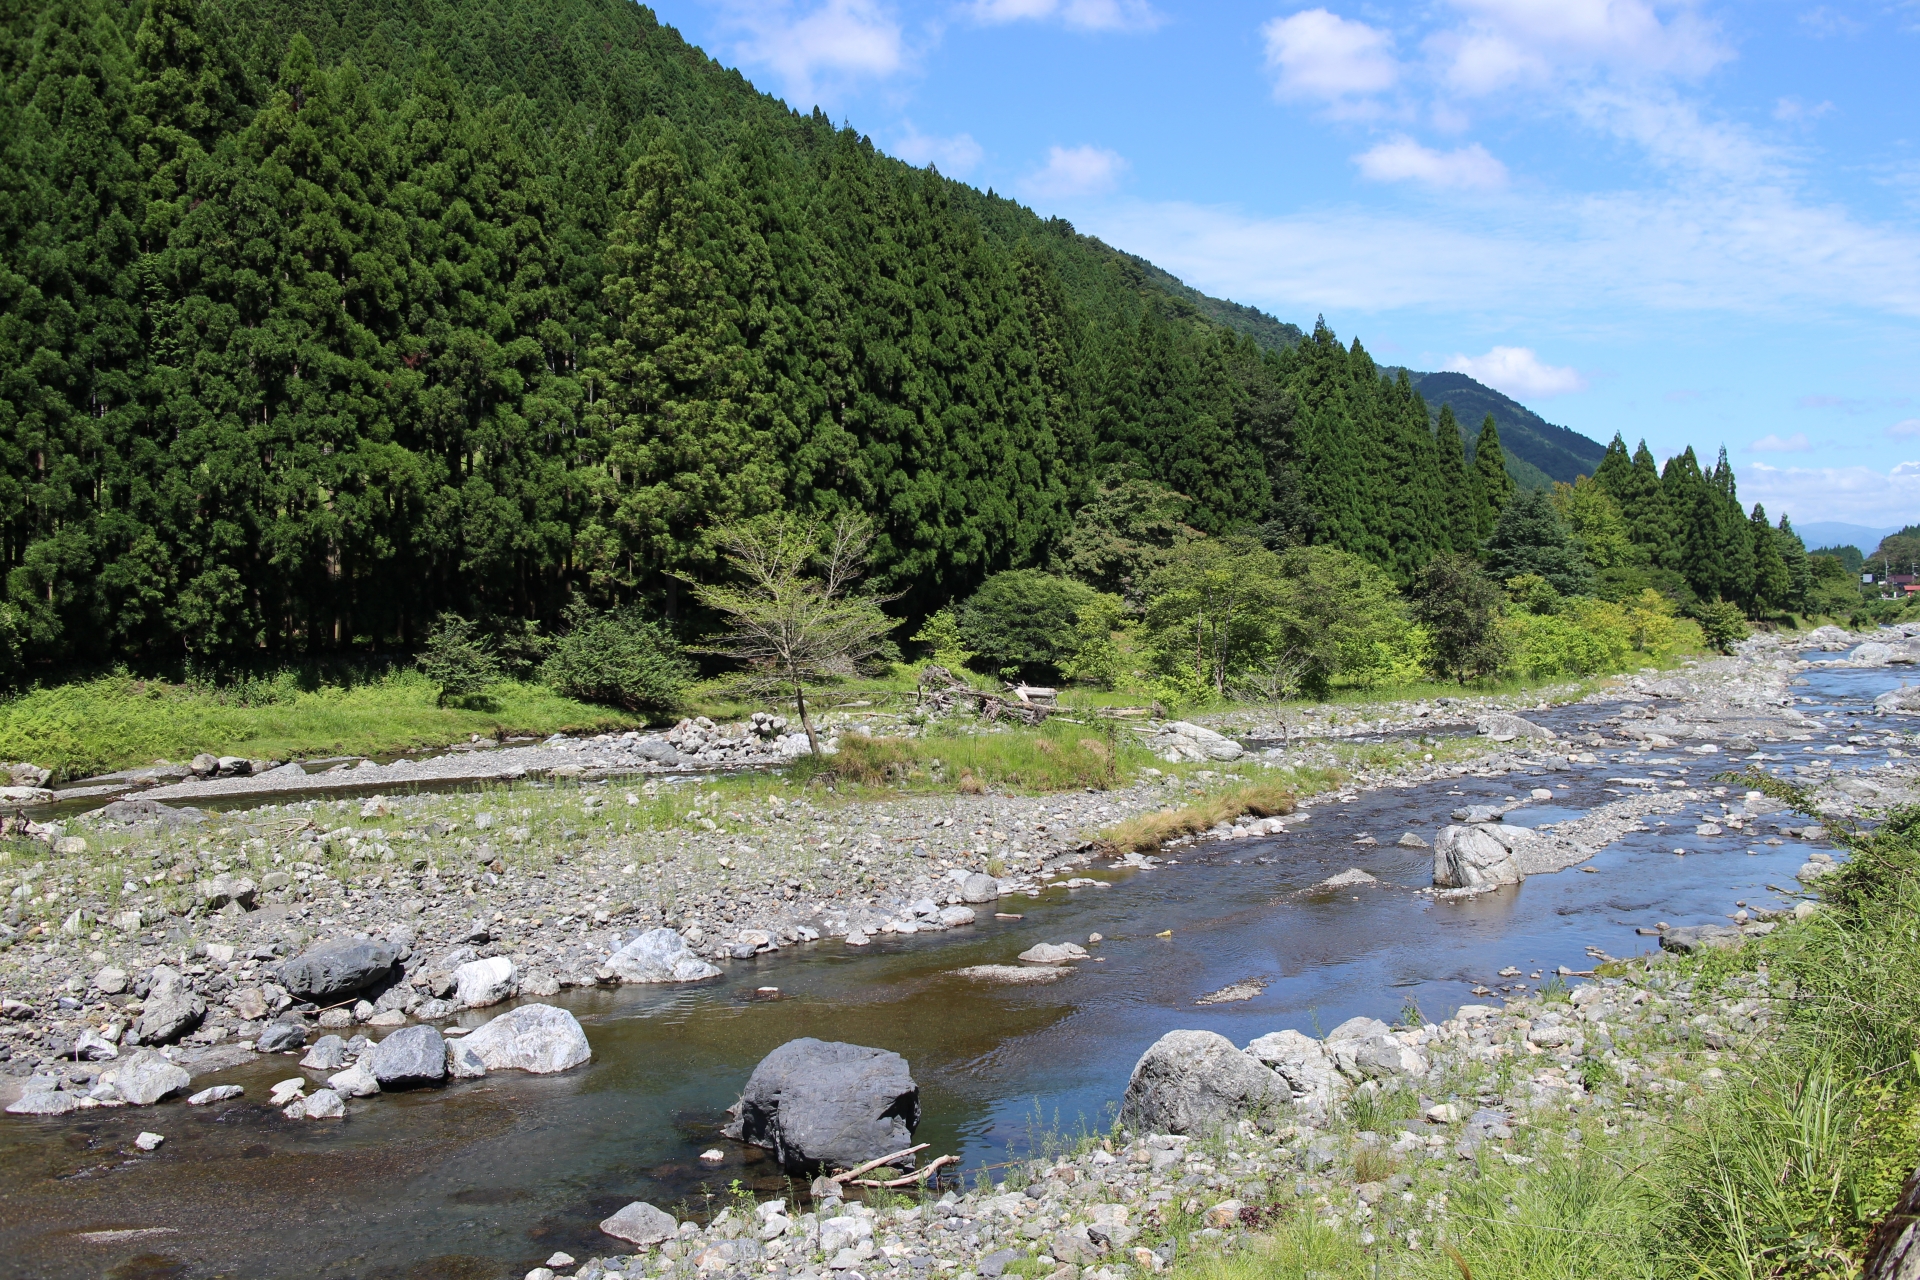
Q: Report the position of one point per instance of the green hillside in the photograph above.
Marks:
(320, 318)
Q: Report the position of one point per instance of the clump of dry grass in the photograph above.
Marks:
(1263, 799)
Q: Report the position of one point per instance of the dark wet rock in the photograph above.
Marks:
(278, 1037)
(1193, 1081)
(409, 1057)
(815, 1102)
(337, 967)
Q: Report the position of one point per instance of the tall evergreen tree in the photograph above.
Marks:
(1496, 487)
(1734, 533)
(1772, 583)
(1615, 472)
(1651, 519)
(1793, 552)
(1460, 519)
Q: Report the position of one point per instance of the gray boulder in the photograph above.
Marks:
(44, 1101)
(1502, 725)
(170, 1011)
(329, 1053)
(91, 1046)
(1194, 1081)
(658, 750)
(979, 887)
(1303, 1062)
(1902, 701)
(815, 1102)
(146, 1078)
(337, 967)
(1702, 937)
(410, 1056)
(534, 1037)
(659, 955)
(278, 1037)
(642, 1224)
(1473, 857)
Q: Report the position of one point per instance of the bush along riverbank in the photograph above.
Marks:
(1744, 1104)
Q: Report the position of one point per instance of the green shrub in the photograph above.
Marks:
(621, 659)
(458, 659)
(1722, 623)
(1029, 621)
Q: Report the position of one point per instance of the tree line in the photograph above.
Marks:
(301, 350)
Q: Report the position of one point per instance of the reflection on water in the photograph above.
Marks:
(488, 1177)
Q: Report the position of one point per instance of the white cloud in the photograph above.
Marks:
(1518, 372)
(1317, 54)
(1753, 251)
(1857, 495)
(837, 38)
(1404, 160)
(1794, 111)
(1087, 15)
(1795, 443)
(1905, 429)
(955, 156)
(1509, 42)
(1076, 171)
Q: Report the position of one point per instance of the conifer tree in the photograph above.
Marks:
(1651, 519)
(1697, 508)
(1772, 584)
(1793, 552)
(1615, 472)
(1490, 468)
(1734, 533)
(1453, 480)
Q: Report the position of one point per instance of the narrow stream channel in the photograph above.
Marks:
(486, 1179)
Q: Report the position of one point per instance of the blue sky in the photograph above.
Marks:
(1692, 223)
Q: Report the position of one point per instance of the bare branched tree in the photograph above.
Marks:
(794, 618)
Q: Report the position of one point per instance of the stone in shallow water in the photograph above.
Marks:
(659, 955)
(409, 1057)
(640, 1223)
(816, 1102)
(146, 1078)
(534, 1037)
(215, 1093)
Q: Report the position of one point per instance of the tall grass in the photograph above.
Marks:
(1057, 756)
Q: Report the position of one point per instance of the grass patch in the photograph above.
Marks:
(1056, 756)
(119, 721)
(1262, 799)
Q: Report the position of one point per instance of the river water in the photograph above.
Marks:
(486, 1178)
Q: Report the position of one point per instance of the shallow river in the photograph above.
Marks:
(485, 1179)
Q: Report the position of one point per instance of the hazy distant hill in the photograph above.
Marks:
(1537, 451)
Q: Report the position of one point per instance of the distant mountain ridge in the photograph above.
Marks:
(1538, 452)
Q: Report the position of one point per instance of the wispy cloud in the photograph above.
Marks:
(1321, 56)
(1518, 372)
(1858, 495)
(1087, 15)
(1905, 429)
(955, 156)
(1505, 43)
(1076, 171)
(1401, 159)
(808, 46)
(1795, 443)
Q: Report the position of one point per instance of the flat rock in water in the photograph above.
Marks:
(539, 1038)
(1054, 953)
(659, 955)
(1351, 876)
(642, 1224)
(1011, 973)
(44, 1102)
(1245, 989)
(146, 1078)
(215, 1093)
(814, 1102)
(337, 967)
(329, 1053)
(410, 1056)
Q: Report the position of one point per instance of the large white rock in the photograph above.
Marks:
(1902, 701)
(1474, 857)
(1506, 725)
(642, 1224)
(480, 983)
(1304, 1064)
(146, 1077)
(659, 955)
(535, 1037)
(1178, 741)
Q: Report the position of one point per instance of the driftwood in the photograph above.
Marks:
(911, 1178)
(889, 1158)
(941, 690)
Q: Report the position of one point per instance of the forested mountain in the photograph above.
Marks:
(322, 317)
(1538, 452)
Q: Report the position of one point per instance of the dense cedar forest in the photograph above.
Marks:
(320, 318)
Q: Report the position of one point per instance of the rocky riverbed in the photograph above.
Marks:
(541, 886)
(1369, 1130)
